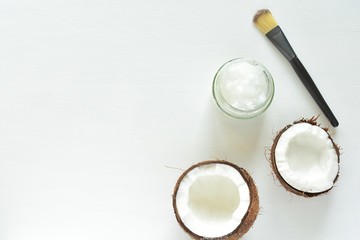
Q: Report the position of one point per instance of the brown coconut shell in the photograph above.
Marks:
(288, 187)
(248, 219)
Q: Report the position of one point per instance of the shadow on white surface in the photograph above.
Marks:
(307, 216)
(239, 139)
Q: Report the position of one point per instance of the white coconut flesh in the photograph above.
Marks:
(212, 200)
(306, 159)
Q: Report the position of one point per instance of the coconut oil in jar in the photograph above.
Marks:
(243, 88)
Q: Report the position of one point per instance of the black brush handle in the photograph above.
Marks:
(313, 90)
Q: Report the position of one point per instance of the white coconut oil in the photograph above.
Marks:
(243, 88)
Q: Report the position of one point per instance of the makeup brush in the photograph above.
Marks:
(264, 20)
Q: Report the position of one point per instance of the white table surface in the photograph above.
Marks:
(103, 102)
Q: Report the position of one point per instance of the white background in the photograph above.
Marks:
(103, 101)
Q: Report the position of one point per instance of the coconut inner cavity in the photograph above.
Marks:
(213, 198)
(307, 154)
(306, 158)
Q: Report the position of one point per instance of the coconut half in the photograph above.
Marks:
(215, 200)
(305, 158)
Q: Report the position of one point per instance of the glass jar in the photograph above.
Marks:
(243, 88)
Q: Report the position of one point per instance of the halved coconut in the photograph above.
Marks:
(305, 158)
(215, 200)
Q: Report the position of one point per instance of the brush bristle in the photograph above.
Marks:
(264, 21)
